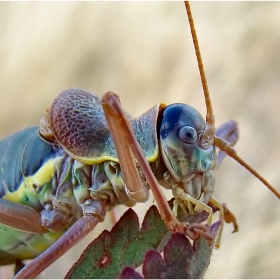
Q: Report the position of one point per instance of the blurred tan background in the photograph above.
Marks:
(144, 52)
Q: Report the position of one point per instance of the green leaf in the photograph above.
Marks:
(124, 246)
(116, 253)
(181, 259)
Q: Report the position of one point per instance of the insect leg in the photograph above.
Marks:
(21, 217)
(71, 237)
(121, 129)
(132, 179)
(225, 215)
(229, 132)
(127, 149)
(180, 193)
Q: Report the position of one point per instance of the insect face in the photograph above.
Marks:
(180, 132)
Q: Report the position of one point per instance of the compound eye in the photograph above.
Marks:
(188, 135)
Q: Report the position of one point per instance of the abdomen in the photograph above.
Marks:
(27, 169)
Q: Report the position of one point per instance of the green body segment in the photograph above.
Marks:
(27, 168)
(16, 244)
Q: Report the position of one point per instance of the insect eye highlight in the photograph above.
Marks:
(188, 135)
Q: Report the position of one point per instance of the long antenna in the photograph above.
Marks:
(208, 136)
(199, 61)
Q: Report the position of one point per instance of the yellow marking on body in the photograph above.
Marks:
(43, 175)
(89, 160)
(97, 160)
(154, 157)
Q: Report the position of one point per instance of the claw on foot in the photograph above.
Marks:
(193, 231)
(176, 226)
(230, 218)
